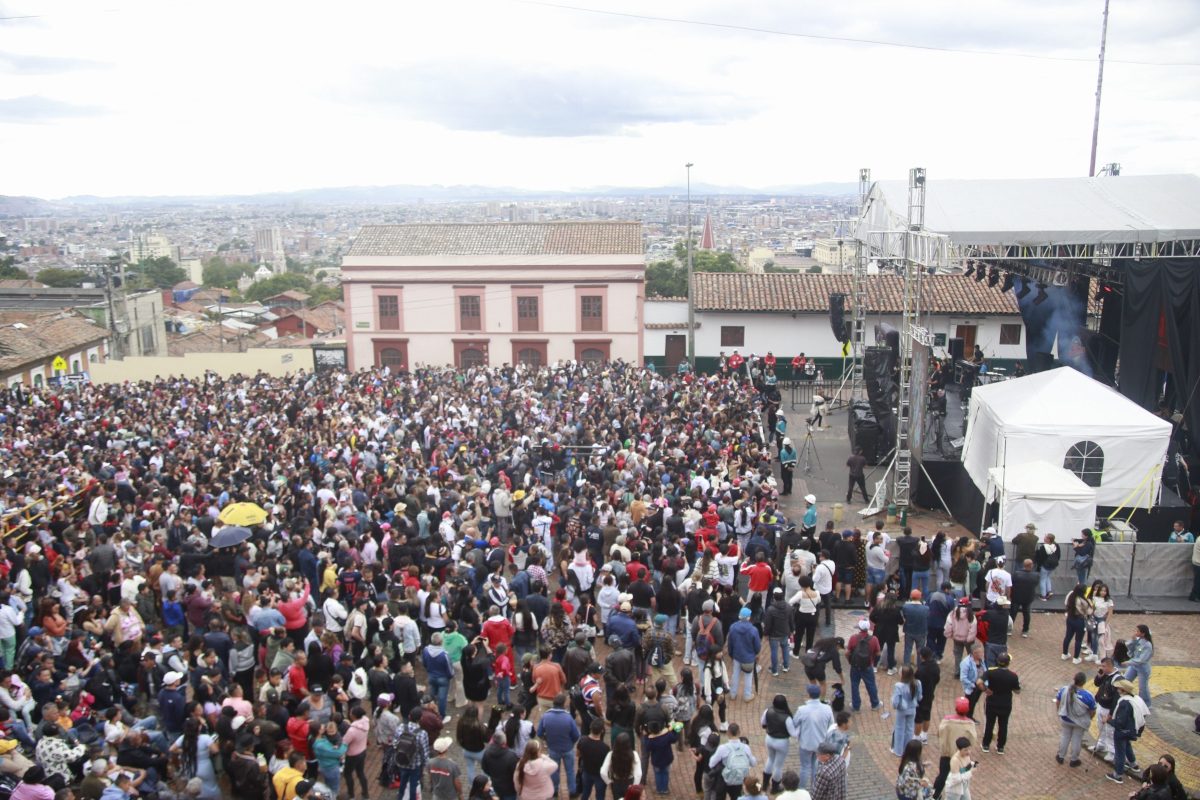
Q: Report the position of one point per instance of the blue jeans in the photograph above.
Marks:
(867, 676)
(920, 580)
(808, 767)
(1142, 671)
(410, 781)
(439, 687)
(1044, 586)
(1123, 752)
(662, 778)
(992, 651)
(502, 690)
(782, 646)
(587, 782)
(671, 626)
(777, 752)
(332, 779)
(913, 645)
(738, 674)
(474, 763)
(565, 761)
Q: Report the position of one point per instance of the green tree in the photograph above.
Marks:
(219, 274)
(322, 293)
(9, 269)
(276, 284)
(62, 278)
(295, 266)
(158, 273)
(771, 266)
(666, 279)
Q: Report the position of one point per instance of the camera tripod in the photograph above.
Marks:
(808, 452)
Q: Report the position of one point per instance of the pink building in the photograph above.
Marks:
(496, 293)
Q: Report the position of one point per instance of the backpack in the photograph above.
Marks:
(685, 706)
(404, 750)
(737, 766)
(860, 658)
(657, 656)
(705, 643)
(1106, 694)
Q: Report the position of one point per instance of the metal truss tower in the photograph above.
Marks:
(910, 326)
(859, 299)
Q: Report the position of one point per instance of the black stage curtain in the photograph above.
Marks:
(1166, 292)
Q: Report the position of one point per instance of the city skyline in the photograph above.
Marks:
(141, 98)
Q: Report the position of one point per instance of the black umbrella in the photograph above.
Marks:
(229, 536)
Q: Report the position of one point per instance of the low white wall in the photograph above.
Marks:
(272, 361)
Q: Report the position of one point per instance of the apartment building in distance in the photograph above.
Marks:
(465, 294)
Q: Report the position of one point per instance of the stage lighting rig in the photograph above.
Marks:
(1041, 294)
(980, 273)
(970, 269)
(994, 277)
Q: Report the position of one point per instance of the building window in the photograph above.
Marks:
(147, 336)
(469, 318)
(591, 313)
(392, 357)
(592, 355)
(37, 381)
(529, 356)
(733, 336)
(389, 312)
(92, 358)
(1086, 460)
(1010, 334)
(527, 314)
(470, 357)
(75, 365)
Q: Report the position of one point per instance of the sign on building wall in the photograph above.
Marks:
(329, 359)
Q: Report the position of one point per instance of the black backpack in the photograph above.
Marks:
(404, 750)
(860, 658)
(657, 656)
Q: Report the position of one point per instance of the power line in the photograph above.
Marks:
(849, 39)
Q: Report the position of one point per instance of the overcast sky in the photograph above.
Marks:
(116, 97)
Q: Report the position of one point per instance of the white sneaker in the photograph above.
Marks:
(893, 671)
(724, 726)
(923, 738)
(1075, 660)
(1065, 656)
(1024, 635)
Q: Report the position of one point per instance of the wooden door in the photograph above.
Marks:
(676, 350)
(967, 334)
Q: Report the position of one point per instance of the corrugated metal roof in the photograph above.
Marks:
(499, 238)
(809, 293)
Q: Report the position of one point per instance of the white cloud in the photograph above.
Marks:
(161, 98)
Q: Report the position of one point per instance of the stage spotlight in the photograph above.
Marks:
(1024, 290)
(1008, 282)
(970, 268)
(1103, 291)
(1041, 294)
(994, 277)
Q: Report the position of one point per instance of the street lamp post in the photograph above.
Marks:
(691, 340)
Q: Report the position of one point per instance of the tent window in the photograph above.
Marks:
(1086, 460)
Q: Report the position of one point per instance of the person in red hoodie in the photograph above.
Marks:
(497, 630)
(505, 674)
(295, 614)
(298, 731)
(297, 677)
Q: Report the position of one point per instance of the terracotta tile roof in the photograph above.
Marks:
(289, 294)
(500, 238)
(21, 283)
(323, 318)
(209, 340)
(42, 338)
(667, 326)
(809, 293)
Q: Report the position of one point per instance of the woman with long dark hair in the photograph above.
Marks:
(525, 637)
(196, 749)
(911, 783)
(961, 629)
(481, 788)
(472, 738)
(886, 618)
(620, 712)
(774, 723)
(1079, 608)
(1076, 706)
(622, 766)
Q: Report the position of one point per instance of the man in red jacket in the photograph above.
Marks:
(862, 651)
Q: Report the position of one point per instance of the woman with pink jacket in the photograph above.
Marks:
(960, 628)
(532, 775)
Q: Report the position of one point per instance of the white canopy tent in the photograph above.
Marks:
(1051, 497)
(1065, 418)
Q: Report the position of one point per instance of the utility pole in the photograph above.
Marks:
(115, 335)
(1099, 85)
(690, 291)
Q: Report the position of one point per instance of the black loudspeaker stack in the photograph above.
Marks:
(879, 365)
(837, 317)
(957, 348)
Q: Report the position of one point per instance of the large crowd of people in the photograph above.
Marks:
(571, 573)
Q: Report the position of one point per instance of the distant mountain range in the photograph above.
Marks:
(404, 193)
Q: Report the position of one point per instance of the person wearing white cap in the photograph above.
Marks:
(998, 582)
(862, 651)
(808, 526)
(787, 464)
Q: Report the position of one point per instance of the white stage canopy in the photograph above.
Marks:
(1044, 211)
(1065, 418)
(1051, 497)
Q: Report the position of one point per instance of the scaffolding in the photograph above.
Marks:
(859, 298)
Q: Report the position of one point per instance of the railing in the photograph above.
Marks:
(800, 393)
(19, 522)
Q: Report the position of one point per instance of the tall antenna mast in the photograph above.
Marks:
(1099, 85)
